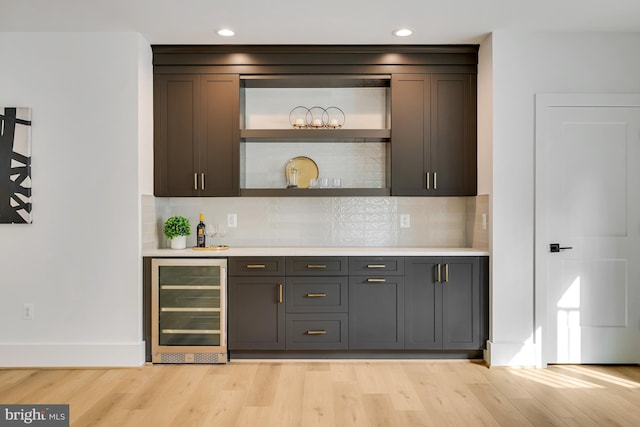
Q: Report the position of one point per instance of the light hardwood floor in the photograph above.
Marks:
(334, 393)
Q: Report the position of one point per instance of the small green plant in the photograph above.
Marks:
(176, 226)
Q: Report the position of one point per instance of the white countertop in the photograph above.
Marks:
(310, 251)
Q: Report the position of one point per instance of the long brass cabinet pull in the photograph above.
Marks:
(428, 181)
(202, 180)
(438, 274)
(280, 296)
(320, 295)
(256, 266)
(376, 266)
(376, 280)
(320, 332)
(435, 180)
(195, 180)
(316, 266)
(446, 272)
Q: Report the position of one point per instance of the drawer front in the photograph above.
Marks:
(376, 265)
(317, 331)
(256, 266)
(317, 266)
(317, 294)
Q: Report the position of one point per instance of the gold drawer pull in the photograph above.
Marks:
(376, 266)
(320, 332)
(280, 297)
(316, 266)
(256, 266)
(376, 280)
(315, 295)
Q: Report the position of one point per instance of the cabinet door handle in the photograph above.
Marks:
(195, 180)
(280, 295)
(428, 181)
(438, 273)
(319, 332)
(319, 266)
(376, 266)
(316, 295)
(376, 280)
(435, 180)
(202, 180)
(446, 272)
(256, 266)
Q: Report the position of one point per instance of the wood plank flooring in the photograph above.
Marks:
(334, 393)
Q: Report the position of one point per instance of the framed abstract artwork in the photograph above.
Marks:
(15, 165)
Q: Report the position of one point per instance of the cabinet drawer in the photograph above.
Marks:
(317, 266)
(317, 294)
(376, 265)
(317, 331)
(256, 266)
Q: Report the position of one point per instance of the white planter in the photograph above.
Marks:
(179, 242)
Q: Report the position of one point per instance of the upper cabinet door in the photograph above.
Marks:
(176, 134)
(219, 150)
(453, 135)
(410, 134)
(433, 135)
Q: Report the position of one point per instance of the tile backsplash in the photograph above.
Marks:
(327, 221)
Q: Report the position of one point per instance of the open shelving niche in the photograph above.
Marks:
(358, 152)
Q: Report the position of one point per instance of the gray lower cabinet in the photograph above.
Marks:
(443, 303)
(256, 304)
(358, 303)
(376, 303)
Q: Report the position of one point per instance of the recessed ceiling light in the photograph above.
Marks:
(225, 32)
(402, 32)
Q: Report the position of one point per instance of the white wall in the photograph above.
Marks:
(525, 64)
(79, 262)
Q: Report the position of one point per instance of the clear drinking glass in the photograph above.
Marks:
(210, 231)
(221, 230)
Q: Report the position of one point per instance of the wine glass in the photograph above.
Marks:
(210, 231)
(221, 231)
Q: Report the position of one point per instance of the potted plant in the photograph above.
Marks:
(176, 229)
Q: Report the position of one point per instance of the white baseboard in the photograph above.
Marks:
(27, 355)
(510, 354)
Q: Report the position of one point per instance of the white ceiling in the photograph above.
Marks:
(319, 21)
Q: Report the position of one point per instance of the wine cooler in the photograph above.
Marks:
(188, 310)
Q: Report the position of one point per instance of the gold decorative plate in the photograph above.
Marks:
(307, 170)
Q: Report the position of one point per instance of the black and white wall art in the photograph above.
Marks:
(15, 165)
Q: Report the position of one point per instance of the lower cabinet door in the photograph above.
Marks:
(423, 304)
(256, 313)
(376, 312)
(461, 304)
(317, 331)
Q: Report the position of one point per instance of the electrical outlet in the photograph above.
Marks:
(405, 221)
(27, 311)
(232, 220)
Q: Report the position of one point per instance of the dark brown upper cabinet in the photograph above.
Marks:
(200, 103)
(196, 135)
(433, 135)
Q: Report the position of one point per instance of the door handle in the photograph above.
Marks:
(555, 247)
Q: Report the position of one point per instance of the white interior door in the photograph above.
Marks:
(588, 201)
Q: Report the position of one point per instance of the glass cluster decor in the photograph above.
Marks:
(301, 117)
